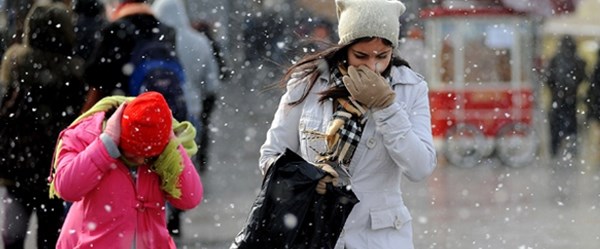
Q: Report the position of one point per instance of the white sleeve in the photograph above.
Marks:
(283, 132)
(408, 138)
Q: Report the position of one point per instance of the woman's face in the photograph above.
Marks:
(374, 54)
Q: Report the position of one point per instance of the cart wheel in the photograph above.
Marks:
(463, 145)
(516, 145)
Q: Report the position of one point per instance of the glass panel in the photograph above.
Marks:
(447, 52)
(488, 52)
(480, 51)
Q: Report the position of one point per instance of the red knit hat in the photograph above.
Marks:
(146, 125)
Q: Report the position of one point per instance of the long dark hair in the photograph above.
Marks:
(310, 66)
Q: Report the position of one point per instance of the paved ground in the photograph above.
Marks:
(491, 206)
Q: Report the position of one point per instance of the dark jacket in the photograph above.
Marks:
(593, 94)
(107, 68)
(44, 93)
(89, 21)
(565, 73)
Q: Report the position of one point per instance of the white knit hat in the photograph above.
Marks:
(369, 18)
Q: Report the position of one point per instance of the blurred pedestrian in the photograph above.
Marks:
(321, 35)
(16, 12)
(263, 37)
(202, 79)
(593, 95)
(206, 28)
(108, 70)
(201, 69)
(209, 98)
(593, 104)
(314, 35)
(119, 163)
(90, 18)
(43, 93)
(565, 73)
(358, 112)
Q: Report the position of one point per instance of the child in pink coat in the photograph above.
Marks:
(119, 172)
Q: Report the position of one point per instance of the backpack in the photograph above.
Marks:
(156, 67)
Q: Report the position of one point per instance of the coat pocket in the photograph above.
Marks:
(394, 217)
(311, 145)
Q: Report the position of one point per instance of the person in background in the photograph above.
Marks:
(201, 68)
(320, 36)
(43, 93)
(16, 13)
(313, 34)
(202, 78)
(593, 104)
(263, 36)
(594, 92)
(565, 73)
(209, 98)
(90, 18)
(131, 21)
(119, 163)
(206, 28)
(357, 111)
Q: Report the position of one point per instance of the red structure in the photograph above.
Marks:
(481, 68)
(480, 73)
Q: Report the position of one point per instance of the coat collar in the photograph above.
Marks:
(406, 76)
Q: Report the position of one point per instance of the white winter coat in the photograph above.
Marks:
(194, 52)
(396, 141)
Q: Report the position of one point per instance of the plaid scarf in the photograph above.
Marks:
(343, 132)
(350, 114)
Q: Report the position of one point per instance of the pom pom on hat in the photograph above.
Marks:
(146, 125)
(369, 18)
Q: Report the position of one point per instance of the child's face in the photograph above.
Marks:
(132, 160)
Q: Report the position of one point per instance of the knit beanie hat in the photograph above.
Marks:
(369, 18)
(146, 125)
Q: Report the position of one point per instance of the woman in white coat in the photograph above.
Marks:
(360, 113)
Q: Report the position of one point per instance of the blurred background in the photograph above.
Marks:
(497, 184)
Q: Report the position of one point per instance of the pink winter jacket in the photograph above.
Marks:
(110, 209)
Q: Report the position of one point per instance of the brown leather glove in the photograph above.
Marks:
(331, 177)
(368, 87)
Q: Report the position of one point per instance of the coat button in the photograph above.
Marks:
(139, 207)
(398, 223)
(371, 143)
